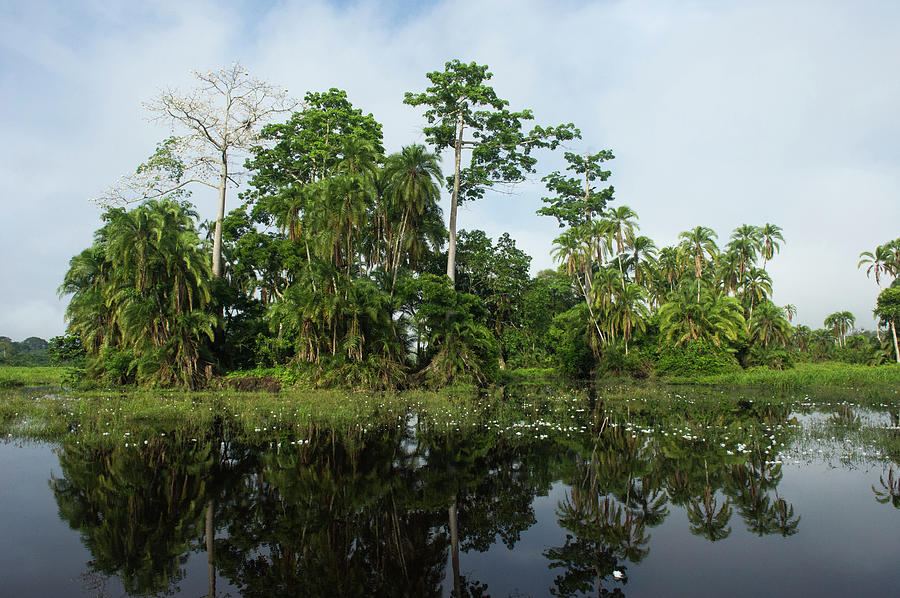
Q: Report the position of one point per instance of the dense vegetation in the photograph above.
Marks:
(338, 267)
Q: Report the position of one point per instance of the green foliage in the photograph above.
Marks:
(32, 351)
(571, 341)
(776, 358)
(459, 99)
(498, 275)
(459, 345)
(708, 316)
(828, 375)
(141, 299)
(572, 204)
(66, 350)
(697, 357)
(615, 362)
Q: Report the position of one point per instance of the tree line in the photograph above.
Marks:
(337, 260)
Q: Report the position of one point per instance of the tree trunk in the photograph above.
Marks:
(396, 254)
(454, 198)
(210, 547)
(454, 547)
(217, 237)
(894, 332)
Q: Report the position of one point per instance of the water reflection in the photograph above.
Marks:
(400, 508)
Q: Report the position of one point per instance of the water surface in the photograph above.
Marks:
(541, 495)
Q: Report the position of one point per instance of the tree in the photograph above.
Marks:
(622, 224)
(140, 295)
(770, 324)
(769, 235)
(715, 317)
(412, 190)
(576, 201)
(221, 117)
(840, 324)
(884, 260)
(888, 310)
(458, 100)
(699, 243)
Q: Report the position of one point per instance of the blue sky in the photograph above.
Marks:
(719, 113)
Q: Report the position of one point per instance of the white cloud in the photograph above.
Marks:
(719, 113)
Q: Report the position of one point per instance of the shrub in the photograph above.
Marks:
(696, 358)
(615, 362)
(774, 358)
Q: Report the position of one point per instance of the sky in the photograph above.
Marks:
(719, 114)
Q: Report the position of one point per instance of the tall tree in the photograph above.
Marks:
(622, 224)
(412, 190)
(699, 243)
(221, 118)
(458, 102)
(769, 236)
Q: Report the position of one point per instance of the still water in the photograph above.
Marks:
(567, 498)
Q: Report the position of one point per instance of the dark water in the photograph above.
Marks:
(758, 499)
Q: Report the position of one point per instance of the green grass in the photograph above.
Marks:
(804, 375)
(15, 376)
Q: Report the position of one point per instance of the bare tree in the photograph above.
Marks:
(220, 120)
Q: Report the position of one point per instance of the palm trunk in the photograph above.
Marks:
(454, 197)
(309, 265)
(396, 253)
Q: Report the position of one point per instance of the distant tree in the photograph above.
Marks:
(840, 324)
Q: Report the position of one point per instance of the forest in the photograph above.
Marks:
(336, 268)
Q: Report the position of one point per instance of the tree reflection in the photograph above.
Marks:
(139, 511)
(889, 490)
(612, 500)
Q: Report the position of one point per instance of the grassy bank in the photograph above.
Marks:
(15, 376)
(803, 376)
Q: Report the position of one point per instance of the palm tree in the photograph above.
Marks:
(884, 260)
(880, 262)
(802, 335)
(630, 311)
(413, 180)
(757, 288)
(715, 318)
(643, 256)
(746, 242)
(770, 235)
(699, 243)
(790, 310)
(144, 288)
(840, 323)
(667, 272)
(770, 325)
(622, 224)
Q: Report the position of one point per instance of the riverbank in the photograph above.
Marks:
(802, 376)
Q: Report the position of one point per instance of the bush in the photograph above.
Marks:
(569, 336)
(774, 358)
(615, 362)
(112, 364)
(697, 358)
